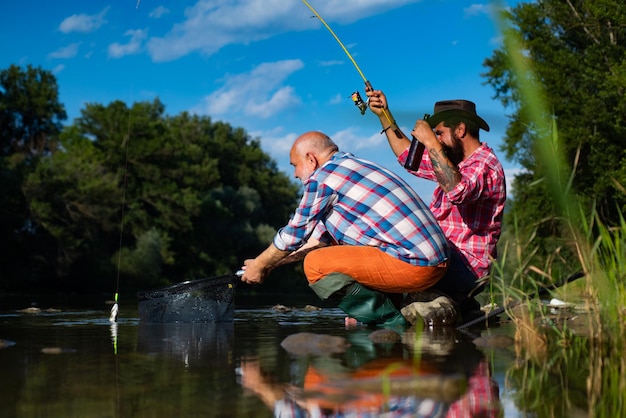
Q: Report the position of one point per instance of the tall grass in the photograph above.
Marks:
(601, 251)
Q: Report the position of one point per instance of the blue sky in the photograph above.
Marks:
(266, 66)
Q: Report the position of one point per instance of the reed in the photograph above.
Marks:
(544, 377)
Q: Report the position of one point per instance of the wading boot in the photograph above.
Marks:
(371, 307)
(357, 301)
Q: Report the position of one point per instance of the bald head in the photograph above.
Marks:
(309, 151)
(314, 142)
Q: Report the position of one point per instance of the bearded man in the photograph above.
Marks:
(468, 201)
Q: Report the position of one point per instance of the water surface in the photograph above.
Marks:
(73, 362)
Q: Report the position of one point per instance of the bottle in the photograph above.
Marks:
(416, 151)
(414, 158)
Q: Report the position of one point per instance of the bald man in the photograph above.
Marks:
(362, 231)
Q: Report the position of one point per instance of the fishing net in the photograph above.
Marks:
(203, 300)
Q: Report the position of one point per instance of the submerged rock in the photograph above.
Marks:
(307, 343)
(385, 336)
(494, 341)
(283, 308)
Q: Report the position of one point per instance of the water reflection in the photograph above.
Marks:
(194, 344)
(76, 363)
(430, 374)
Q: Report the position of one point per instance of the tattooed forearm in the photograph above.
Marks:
(447, 174)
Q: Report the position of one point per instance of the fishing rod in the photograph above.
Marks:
(356, 97)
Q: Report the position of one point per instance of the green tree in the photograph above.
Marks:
(31, 115)
(186, 198)
(74, 201)
(575, 50)
(30, 121)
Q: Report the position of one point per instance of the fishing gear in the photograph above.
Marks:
(368, 86)
(115, 307)
(358, 101)
(209, 299)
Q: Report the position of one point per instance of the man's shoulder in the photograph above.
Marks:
(485, 155)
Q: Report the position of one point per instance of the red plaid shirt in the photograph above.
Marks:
(470, 215)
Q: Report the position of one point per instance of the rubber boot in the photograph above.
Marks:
(371, 307)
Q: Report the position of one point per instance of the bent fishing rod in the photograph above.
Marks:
(356, 97)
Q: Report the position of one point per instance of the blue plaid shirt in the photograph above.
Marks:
(357, 202)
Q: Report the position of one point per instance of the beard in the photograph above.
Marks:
(455, 152)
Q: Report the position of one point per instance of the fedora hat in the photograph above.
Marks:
(460, 108)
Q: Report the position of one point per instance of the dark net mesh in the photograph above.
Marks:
(203, 300)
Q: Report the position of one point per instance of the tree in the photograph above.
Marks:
(30, 121)
(575, 51)
(184, 197)
(31, 115)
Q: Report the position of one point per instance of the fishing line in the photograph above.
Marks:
(115, 308)
(368, 85)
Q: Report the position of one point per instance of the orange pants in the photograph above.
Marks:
(372, 268)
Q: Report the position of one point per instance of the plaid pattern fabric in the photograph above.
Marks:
(356, 202)
(470, 215)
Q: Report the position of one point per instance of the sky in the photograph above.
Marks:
(267, 66)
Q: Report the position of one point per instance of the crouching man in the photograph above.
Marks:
(363, 233)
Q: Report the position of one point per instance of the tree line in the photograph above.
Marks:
(163, 198)
(126, 194)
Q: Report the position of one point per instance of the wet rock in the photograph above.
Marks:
(311, 308)
(35, 310)
(494, 341)
(385, 336)
(307, 343)
(57, 350)
(281, 308)
(6, 343)
(433, 308)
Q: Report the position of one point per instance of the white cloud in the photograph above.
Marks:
(58, 69)
(158, 12)
(209, 25)
(257, 93)
(117, 50)
(83, 23)
(276, 141)
(69, 51)
(338, 98)
(349, 141)
(477, 9)
(331, 63)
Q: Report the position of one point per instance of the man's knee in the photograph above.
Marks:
(330, 284)
(313, 267)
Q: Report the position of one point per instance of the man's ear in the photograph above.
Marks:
(461, 130)
(310, 158)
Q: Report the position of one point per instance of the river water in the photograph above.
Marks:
(70, 361)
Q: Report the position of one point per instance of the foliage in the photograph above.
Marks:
(574, 51)
(30, 112)
(155, 198)
(30, 121)
(594, 237)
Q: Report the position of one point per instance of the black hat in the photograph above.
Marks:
(463, 108)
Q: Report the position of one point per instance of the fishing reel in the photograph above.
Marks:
(358, 101)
